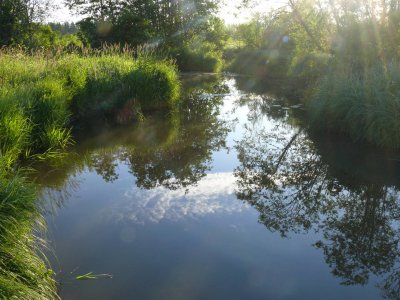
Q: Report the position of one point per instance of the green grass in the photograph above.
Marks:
(23, 272)
(365, 106)
(41, 95)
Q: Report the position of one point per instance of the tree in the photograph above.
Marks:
(14, 21)
(162, 19)
(17, 17)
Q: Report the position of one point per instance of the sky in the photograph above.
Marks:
(230, 12)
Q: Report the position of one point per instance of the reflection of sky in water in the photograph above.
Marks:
(213, 194)
(181, 243)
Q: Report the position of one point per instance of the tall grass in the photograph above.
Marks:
(42, 93)
(365, 106)
(23, 272)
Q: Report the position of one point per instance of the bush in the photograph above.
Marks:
(306, 69)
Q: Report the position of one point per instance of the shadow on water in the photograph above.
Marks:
(298, 182)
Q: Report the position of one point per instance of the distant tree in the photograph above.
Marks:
(14, 21)
(41, 36)
(38, 10)
(136, 21)
(17, 17)
(64, 28)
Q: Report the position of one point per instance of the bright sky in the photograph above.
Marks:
(230, 13)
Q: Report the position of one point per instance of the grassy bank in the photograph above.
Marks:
(23, 272)
(366, 106)
(41, 97)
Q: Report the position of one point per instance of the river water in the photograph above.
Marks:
(232, 197)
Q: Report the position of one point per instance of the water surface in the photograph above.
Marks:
(231, 198)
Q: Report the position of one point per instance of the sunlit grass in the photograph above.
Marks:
(365, 106)
(42, 93)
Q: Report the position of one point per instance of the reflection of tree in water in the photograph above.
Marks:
(276, 180)
(359, 235)
(166, 150)
(186, 156)
(105, 164)
(283, 176)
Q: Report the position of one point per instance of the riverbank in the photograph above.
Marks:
(42, 95)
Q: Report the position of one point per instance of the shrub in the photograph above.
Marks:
(262, 63)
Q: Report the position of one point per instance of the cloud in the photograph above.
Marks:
(212, 195)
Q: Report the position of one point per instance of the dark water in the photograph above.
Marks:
(231, 198)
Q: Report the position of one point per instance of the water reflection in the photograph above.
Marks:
(172, 151)
(211, 195)
(283, 174)
(299, 183)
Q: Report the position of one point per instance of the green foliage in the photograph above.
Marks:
(132, 29)
(251, 34)
(367, 107)
(150, 77)
(183, 29)
(14, 22)
(197, 59)
(306, 69)
(140, 21)
(69, 41)
(42, 36)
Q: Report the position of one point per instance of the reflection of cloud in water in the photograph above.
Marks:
(213, 194)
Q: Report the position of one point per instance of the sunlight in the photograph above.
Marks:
(232, 13)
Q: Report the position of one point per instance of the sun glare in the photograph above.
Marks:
(231, 11)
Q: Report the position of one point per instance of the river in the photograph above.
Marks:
(232, 197)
